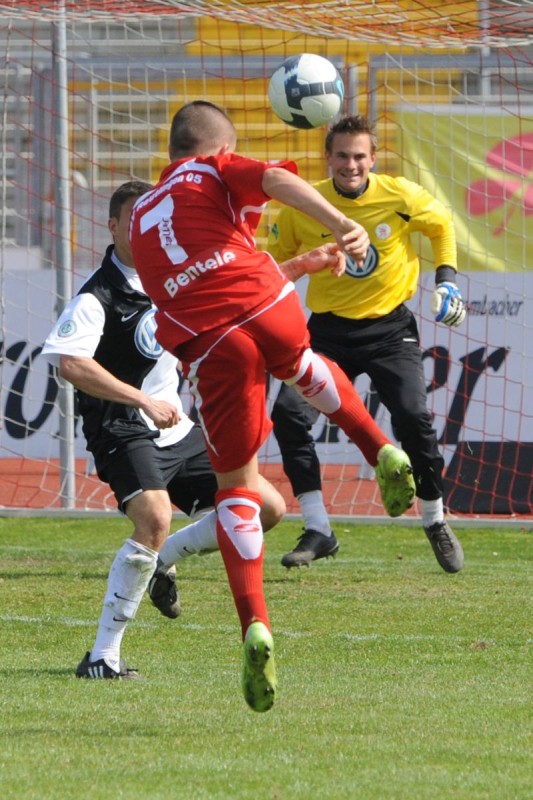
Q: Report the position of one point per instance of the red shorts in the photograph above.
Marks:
(227, 370)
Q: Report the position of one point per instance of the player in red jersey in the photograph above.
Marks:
(230, 314)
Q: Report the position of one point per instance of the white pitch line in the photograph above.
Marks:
(71, 623)
(290, 634)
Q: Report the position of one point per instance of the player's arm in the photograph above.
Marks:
(92, 378)
(284, 245)
(430, 217)
(71, 345)
(288, 188)
(447, 303)
(327, 255)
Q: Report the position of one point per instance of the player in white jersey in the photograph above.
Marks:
(149, 451)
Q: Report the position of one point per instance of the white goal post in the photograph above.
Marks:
(87, 91)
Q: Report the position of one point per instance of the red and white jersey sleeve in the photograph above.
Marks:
(193, 244)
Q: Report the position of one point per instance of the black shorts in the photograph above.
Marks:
(183, 469)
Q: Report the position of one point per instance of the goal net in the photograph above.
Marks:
(87, 92)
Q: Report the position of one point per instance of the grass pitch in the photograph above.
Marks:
(396, 680)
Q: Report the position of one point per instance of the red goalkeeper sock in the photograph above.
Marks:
(240, 538)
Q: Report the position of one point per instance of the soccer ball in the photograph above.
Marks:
(306, 91)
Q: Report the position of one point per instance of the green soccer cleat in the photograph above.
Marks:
(394, 474)
(259, 672)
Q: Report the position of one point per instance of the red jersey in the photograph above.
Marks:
(192, 240)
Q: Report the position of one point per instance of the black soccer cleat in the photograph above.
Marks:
(446, 546)
(99, 670)
(311, 546)
(164, 592)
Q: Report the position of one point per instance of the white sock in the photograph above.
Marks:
(198, 537)
(128, 579)
(432, 512)
(314, 512)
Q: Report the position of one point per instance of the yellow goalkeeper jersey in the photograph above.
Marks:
(391, 209)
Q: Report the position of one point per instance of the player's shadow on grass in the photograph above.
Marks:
(57, 672)
(85, 576)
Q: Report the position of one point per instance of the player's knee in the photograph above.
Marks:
(153, 529)
(273, 510)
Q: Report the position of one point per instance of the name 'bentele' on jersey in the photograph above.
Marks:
(226, 191)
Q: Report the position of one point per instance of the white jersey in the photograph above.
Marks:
(112, 320)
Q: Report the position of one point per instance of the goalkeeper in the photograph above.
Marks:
(360, 321)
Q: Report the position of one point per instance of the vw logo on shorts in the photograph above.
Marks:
(367, 268)
(145, 340)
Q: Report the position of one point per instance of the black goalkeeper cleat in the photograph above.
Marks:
(164, 592)
(99, 670)
(446, 546)
(311, 546)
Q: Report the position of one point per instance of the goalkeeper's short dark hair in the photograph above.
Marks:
(354, 124)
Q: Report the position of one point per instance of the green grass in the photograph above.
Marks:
(397, 681)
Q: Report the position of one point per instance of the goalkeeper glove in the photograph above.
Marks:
(448, 305)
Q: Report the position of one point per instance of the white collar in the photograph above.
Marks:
(130, 273)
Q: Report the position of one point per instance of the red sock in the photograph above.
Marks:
(352, 416)
(240, 538)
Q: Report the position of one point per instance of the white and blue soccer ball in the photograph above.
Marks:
(306, 91)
